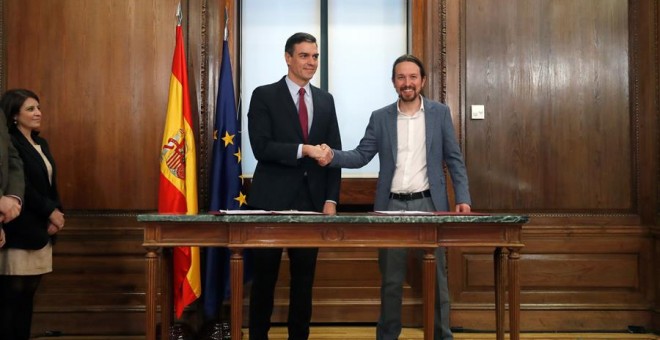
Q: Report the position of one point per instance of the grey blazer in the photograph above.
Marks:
(441, 146)
(12, 179)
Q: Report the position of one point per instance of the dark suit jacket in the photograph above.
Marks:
(442, 147)
(30, 229)
(275, 134)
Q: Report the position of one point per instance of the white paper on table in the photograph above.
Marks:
(403, 212)
(246, 212)
(296, 212)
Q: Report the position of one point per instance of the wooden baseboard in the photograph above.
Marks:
(367, 333)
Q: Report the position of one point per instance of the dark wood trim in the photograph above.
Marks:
(3, 48)
(428, 21)
(655, 312)
(635, 24)
(205, 118)
(645, 107)
(211, 36)
(419, 25)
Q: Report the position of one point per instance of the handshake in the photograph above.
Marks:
(321, 153)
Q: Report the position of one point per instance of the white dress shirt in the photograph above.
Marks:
(410, 172)
(293, 90)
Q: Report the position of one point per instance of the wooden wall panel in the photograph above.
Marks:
(599, 279)
(98, 281)
(101, 69)
(553, 76)
(544, 66)
(607, 266)
(581, 272)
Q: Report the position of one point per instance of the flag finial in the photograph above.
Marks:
(179, 14)
(226, 23)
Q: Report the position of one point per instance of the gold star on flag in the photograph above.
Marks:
(242, 199)
(215, 134)
(242, 179)
(229, 139)
(238, 155)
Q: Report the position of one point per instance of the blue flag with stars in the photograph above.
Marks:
(226, 183)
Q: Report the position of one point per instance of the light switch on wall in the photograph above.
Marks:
(478, 112)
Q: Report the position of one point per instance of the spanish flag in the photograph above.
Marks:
(178, 177)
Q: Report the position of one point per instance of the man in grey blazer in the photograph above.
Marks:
(413, 138)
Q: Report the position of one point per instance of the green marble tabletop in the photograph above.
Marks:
(283, 217)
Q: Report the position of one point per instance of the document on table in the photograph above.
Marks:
(428, 213)
(403, 212)
(245, 212)
(296, 212)
(268, 212)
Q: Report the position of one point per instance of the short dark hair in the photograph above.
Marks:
(11, 103)
(410, 58)
(296, 39)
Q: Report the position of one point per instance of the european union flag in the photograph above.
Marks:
(226, 182)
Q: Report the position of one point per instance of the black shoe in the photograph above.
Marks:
(181, 331)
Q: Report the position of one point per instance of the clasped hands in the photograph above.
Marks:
(55, 221)
(10, 207)
(321, 153)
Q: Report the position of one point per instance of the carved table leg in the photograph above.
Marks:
(428, 292)
(514, 294)
(500, 283)
(151, 263)
(236, 268)
(166, 292)
(499, 259)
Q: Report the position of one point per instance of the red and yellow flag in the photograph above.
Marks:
(178, 176)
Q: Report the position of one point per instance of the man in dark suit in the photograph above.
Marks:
(413, 138)
(12, 182)
(284, 117)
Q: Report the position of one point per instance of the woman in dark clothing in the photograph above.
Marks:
(27, 254)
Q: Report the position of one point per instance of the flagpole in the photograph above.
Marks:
(225, 192)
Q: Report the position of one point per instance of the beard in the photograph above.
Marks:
(410, 98)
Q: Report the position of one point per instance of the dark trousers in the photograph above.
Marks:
(266, 267)
(392, 263)
(302, 265)
(16, 304)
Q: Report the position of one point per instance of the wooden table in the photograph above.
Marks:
(238, 232)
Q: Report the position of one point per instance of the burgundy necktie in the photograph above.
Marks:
(302, 112)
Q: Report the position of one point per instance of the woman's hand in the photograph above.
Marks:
(57, 218)
(52, 229)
